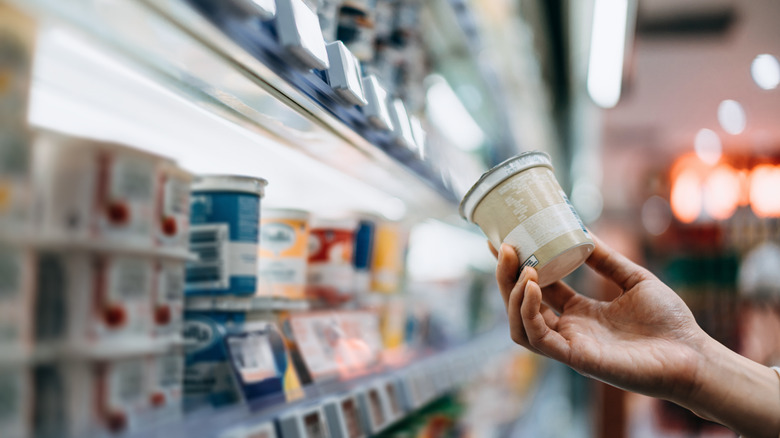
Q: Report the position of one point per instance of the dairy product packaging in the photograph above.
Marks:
(224, 233)
(283, 253)
(520, 202)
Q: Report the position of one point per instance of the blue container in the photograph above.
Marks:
(224, 233)
(362, 254)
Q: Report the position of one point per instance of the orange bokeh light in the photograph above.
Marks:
(765, 190)
(686, 197)
(721, 192)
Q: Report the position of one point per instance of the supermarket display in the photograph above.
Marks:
(283, 253)
(331, 247)
(520, 202)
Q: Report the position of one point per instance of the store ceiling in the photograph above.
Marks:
(688, 57)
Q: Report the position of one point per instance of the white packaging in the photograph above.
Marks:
(173, 217)
(16, 412)
(376, 110)
(111, 307)
(91, 190)
(344, 74)
(168, 302)
(166, 378)
(17, 280)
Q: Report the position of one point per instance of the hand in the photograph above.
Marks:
(646, 340)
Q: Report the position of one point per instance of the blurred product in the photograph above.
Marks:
(388, 258)
(520, 202)
(173, 200)
(17, 298)
(344, 74)
(327, 13)
(110, 298)
(331, 244)
(343, 417)
(165, 388)
(283, 254)
(356, 29)
(225, 218)
(362, 257)
(263, 368)
(16, 409)
(298, 30)
(168, 300)
(17, 43)
(88, 190)
(208, 378)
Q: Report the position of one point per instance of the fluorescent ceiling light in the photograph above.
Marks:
(450, 117)
(607, 49)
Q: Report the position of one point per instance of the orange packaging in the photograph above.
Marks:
(387, 264)
(283, 253)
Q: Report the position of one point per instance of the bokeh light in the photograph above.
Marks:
(731, 117)
(707, 146)
(686, 196)
(721, 192)
(765, 71)
(765, 190)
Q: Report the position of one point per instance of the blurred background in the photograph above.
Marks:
(239, 218)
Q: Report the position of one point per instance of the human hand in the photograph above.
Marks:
(646, 340)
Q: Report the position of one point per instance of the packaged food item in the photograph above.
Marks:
(110, 299)
(96, 397)
(374, 404)
(520, 202)
(356, 29)
(16, 401)
(262, 364)
(388, 258)
(225, 219)
(331, 244)
(17, 286)
(92, 190)
(283, 254)
(173, 211)
(168, 302)
(208, 378)
(309, 422)
(17, 49)
(166, 379)
(362, 255)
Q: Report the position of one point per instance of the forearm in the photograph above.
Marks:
(736, 392)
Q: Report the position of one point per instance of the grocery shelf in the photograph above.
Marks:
(182, 51)
(242, 304)
(69, 243)
(430, 376)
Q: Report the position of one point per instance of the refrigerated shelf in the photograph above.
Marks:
(180, 50)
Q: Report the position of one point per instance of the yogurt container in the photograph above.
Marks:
(283, 253)
(17, 286)
(388, 258)
(361, 258)
(173, 207)
(164, 392)
(224, 233)
(88, 189)
(520, 202)
(168, 300)
(331, 244)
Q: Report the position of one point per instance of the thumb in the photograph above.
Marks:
(616, 266)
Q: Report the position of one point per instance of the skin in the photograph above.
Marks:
(646, 340)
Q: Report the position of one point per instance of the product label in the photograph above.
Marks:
(175, 215)
(15, 397)
(541, 228)
(276, 237)
(126, 306)
(124, 390)
(129, 203)
(253, 357)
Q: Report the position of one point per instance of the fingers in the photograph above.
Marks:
(492, 249)
(557, 295)
(615, 266)
(515, 300)
(506, 271)
(540, 335)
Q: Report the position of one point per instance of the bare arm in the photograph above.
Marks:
(645, 341)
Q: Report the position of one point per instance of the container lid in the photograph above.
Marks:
(343, 223)
(280, 213)
(497, 175)
(229, 183)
